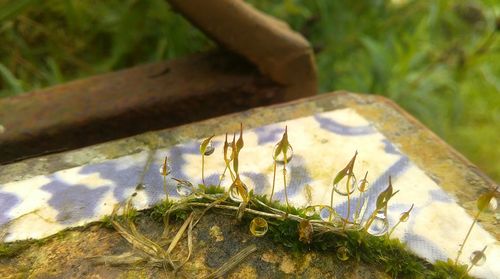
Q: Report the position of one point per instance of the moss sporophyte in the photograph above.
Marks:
(360, 236)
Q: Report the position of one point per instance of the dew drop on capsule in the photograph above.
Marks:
(234, 195)
(379, 225)
(343, 253)
(184, 188)
(210, 149)
(341, 187)
(477, 258)
(165, 170)
(258, 226)
(280, 158)
(363, 185)
(310, 211)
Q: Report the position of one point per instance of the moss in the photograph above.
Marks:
(212, 189)
(390, 255)
(448, 269)
(277, 205)
(9, 250)
(12, 249)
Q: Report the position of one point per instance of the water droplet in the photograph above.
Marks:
(477, 258)
(280, 158)
(363, 185)
(341, 187)
(343, 253)
(258, 226)
(493, 204)
(165, 170)
(234, 193)
(210, 149)
(140, 187)
(327, 214)
(362, 209)
(310, 211)
(379, 225)
(184, 188)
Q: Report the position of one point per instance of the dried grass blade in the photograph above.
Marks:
(189, 242)
(126, 258)
(179, 234)
(132, 239)
(232, 262)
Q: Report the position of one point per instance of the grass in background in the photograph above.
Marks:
(434, 58)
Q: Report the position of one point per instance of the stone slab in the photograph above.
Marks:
(73, 188)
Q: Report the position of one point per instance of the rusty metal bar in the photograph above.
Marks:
(129, 102)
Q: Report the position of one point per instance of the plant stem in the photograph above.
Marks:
(230, 171)
(203, 168)
(348, 200)
(165, 186)
(358, 209)
(274, 181)
(284, 183)
(317, 224)
(222, 176)
(370, 219)
(331, 198)
(467, 236)
(393, 228)
(236, 208)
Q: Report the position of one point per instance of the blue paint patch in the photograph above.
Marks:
(73, 202)
(177, 163)
(124, 180)
(341, 129)
(269, 134)
(390, 148)
(381, 183)
(299, 176)
(423, 246)
(259, 180)
(212, 179)
(7, 202)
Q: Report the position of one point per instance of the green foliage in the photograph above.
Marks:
(158, 211)
(437, 59)
(391, 255)
(277, 205)
(50, 42)
(9, 250)
(448, 269)
(131, 214)
(212, 189)
(12, 249)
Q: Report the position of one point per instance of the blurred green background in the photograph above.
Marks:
(440, 60)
